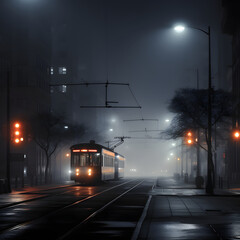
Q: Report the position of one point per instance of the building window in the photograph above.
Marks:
(62, 70)
(63, 88)
(51, 70)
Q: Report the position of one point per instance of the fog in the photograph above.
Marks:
(133, 42)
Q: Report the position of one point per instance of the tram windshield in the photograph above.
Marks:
(86, 159)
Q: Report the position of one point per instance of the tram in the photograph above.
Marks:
(91, 162)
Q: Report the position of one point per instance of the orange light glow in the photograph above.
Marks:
(83, 150)
(189, 134)
(21, 139)
(17, 140)
(76, 150)
(92, 150)
(189, 141)
(236, 134)
(16, 125)
(17, 133)
(106, 152)
(67, 155)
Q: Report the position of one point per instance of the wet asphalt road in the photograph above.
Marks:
(108, 211)
(136, 209)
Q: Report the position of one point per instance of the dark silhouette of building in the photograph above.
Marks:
(25, 55)
(231, 26)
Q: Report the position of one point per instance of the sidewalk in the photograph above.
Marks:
(180, 211)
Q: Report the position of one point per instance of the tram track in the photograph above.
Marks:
(15, 230)
(77, 227)
(41, 195)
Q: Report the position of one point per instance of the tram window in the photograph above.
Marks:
(75, 161)
(121, 164)
(108, 161)
(96, 158)
(84, 159)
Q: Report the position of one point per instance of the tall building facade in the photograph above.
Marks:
(231, 26)
(25, 55)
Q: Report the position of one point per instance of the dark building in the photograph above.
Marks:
(25, 55)
(231, 26)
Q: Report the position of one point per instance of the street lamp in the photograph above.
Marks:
(179, 28)
(209, 184)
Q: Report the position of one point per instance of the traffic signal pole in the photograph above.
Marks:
(8, 172)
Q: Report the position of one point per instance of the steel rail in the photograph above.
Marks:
(25, 224)
(91, 216)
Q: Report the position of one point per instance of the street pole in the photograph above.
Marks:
(210, 167)
(182, 159)
(8, 183)
(209, 184)
(198, 137)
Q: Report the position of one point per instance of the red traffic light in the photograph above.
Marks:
(236, 134)
(189, 138)
(17, 133)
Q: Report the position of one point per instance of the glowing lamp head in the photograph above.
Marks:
(16, 125)
(189, 141)
(179, 28)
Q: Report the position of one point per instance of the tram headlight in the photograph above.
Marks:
(89, 172)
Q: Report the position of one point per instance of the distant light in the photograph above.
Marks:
(113, 120)
(70, 171)
(67, 155)
(171, 154)
(173, 144)
(66, 127)
(168, 159)
(111, 130)
(179, 28)
(167, 120)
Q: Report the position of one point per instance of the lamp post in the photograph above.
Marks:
(209, 183)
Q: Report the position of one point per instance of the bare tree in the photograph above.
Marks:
(51, 132)
(190, 108)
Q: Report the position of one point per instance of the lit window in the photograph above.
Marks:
(62, 70)
(63, 88)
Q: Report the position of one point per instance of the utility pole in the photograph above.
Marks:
(209, 185)
(8, 171)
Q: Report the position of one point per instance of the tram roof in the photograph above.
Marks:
(91, 144)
